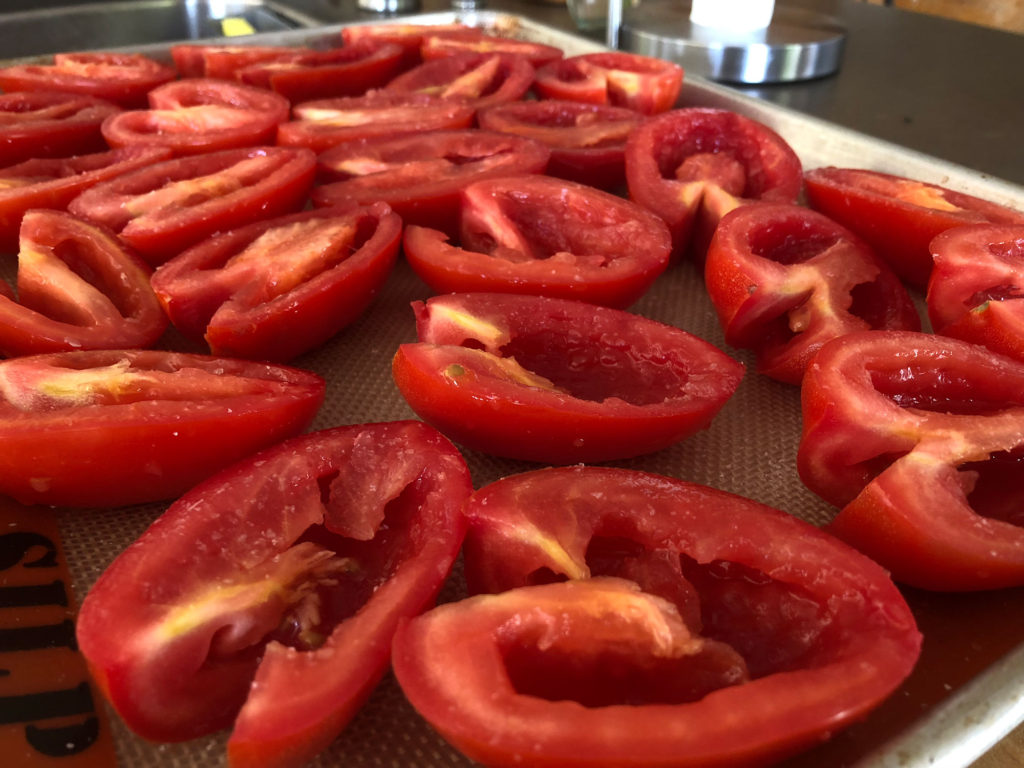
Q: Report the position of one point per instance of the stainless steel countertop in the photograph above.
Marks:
(945, 88)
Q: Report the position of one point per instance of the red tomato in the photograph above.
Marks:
(111, 428)
(50, 124)
(223, 61)
(348, 71)
(123, 78)
(479, 79)
(976, 290)
(200, 115)
(558, 381)
(642, 83)
(440, 46)
(784, 280)
(587, 141)
(268, 595)
(323, 123)
(920, 438)
(899, 217)
(162, 210)
(54, 182)
(78, 288)
(749, 635)
(692, 166)
(280, 287)
(409, 36)
(420, 175)
(544, 236)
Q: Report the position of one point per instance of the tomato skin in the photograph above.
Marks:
(450, 44)
(36, 124)
(546, 386)
(54, 182)
(480, 79)
(975, 289)
(78, 288)
(587, 141)
(538, 235)
(409, 37)
(162, 210)
(348, 71)
(421, 175)
(379, 506)
(323, 123)
(181, 418)
(782, 279)
(504, 675)
(200, 115)
(221, 62)
(693, 165)
(897, 216)
(123, 78)
(248, 310)
(917, 438)
(642, 83)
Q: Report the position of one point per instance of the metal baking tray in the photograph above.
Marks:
(968, 689)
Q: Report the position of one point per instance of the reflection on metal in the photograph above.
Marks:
(121, 23)
(388, 6)
(797, 45)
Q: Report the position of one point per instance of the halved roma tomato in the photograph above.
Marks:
(348, 71)
(420, 175)
(543, 236)
(409, 36)
(323, 123)
(587, 141)
(280, 287)
(78, 288)
(50, 124)
(479, 79)
(897, 216)
(784, 280)
(123, 78)
(110, 428)
(221, 61)
(976, 290)
(558, 381)
(162, 210)
(920, 439)
(642, 83)
(450, 44)
(742, 635)
(268, 595)
(54, 182)
(200, 115)
(692, 166)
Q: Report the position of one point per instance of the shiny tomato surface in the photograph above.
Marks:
(165, 208)
(267, 596)
(976, 289)
(543, 236)
(421, 175)
(784, 280)
(79, 287)
(919, 438)
(282, 286)
(559, 381)
(687, 627)
(110, 428)
(898, 216)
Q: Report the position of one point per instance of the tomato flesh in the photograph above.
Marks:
(557, 380)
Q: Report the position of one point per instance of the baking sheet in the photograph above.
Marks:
(968, 687)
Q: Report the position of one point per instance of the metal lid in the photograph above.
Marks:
(797, 45)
